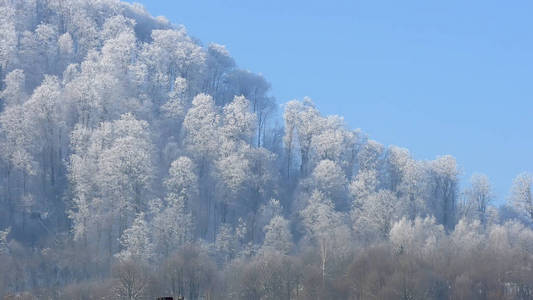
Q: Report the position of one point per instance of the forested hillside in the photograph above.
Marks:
(137, 162)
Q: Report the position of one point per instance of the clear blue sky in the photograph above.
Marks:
(437, 77)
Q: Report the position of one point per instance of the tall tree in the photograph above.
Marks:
(111, 172)
(322, 225)
(444, 184)
(477, 198)
(521, 196)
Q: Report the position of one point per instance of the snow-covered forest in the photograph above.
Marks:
(137, 162)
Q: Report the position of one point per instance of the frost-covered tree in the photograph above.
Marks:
(477, 198)
(421, 237)
(238, 121)
(362, 186)
(173, 54)
(126, 166)
(226, 243)
(323, 226)
(172, 222)
(370, 155)
(117, 52)
(171, 226)
(219, 64)
(4, 247)
(290, 137)
(8, 39)
(232, 174)
(278, 236)
(302, 123)
(46, 110)
(444, 184)
(521, 196)
(374, 218)
(413, 189)
(255, 88)
(201, 127)
(17, 152)
(135, 241)
(65, 45)
(14, 91)
(329, 178)
(467, 237)
(397, 161)
(177, 105)
(111, 172)
(182, 180)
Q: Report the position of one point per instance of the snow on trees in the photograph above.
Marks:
(477, 198)
(521, 196)
(278, 236)
(111, 172)
(135, 241)
(444, 184)
(201, 127)
(329, 178)
(14, 91)
(124, 141)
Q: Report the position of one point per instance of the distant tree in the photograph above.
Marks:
(111, 172)
(46, 110)
(329, 178)
(238, 121)
(172, 224)
(290, 137)
(226, 243)
(136, 242)
(278, 236)
(189, 272)
(444, 184)
(177, 105)
(8, 39)
(420, 237)
(173, 54)
(182, 180)
(334, 142)
(132, 280)
(521, 196)
(219, 64)
(4, 247)
(377, 214)
(477, 198)
(47, 37)
(201, 127)
(126, 166)
(17, 151)
(413, 189)
(321, 223)
(117, 53)
(397, 161)
(302, 121)
(65, 45)
(14, 91)
(255, 88)
(370, 155)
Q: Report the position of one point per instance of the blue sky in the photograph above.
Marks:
(437, 77)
